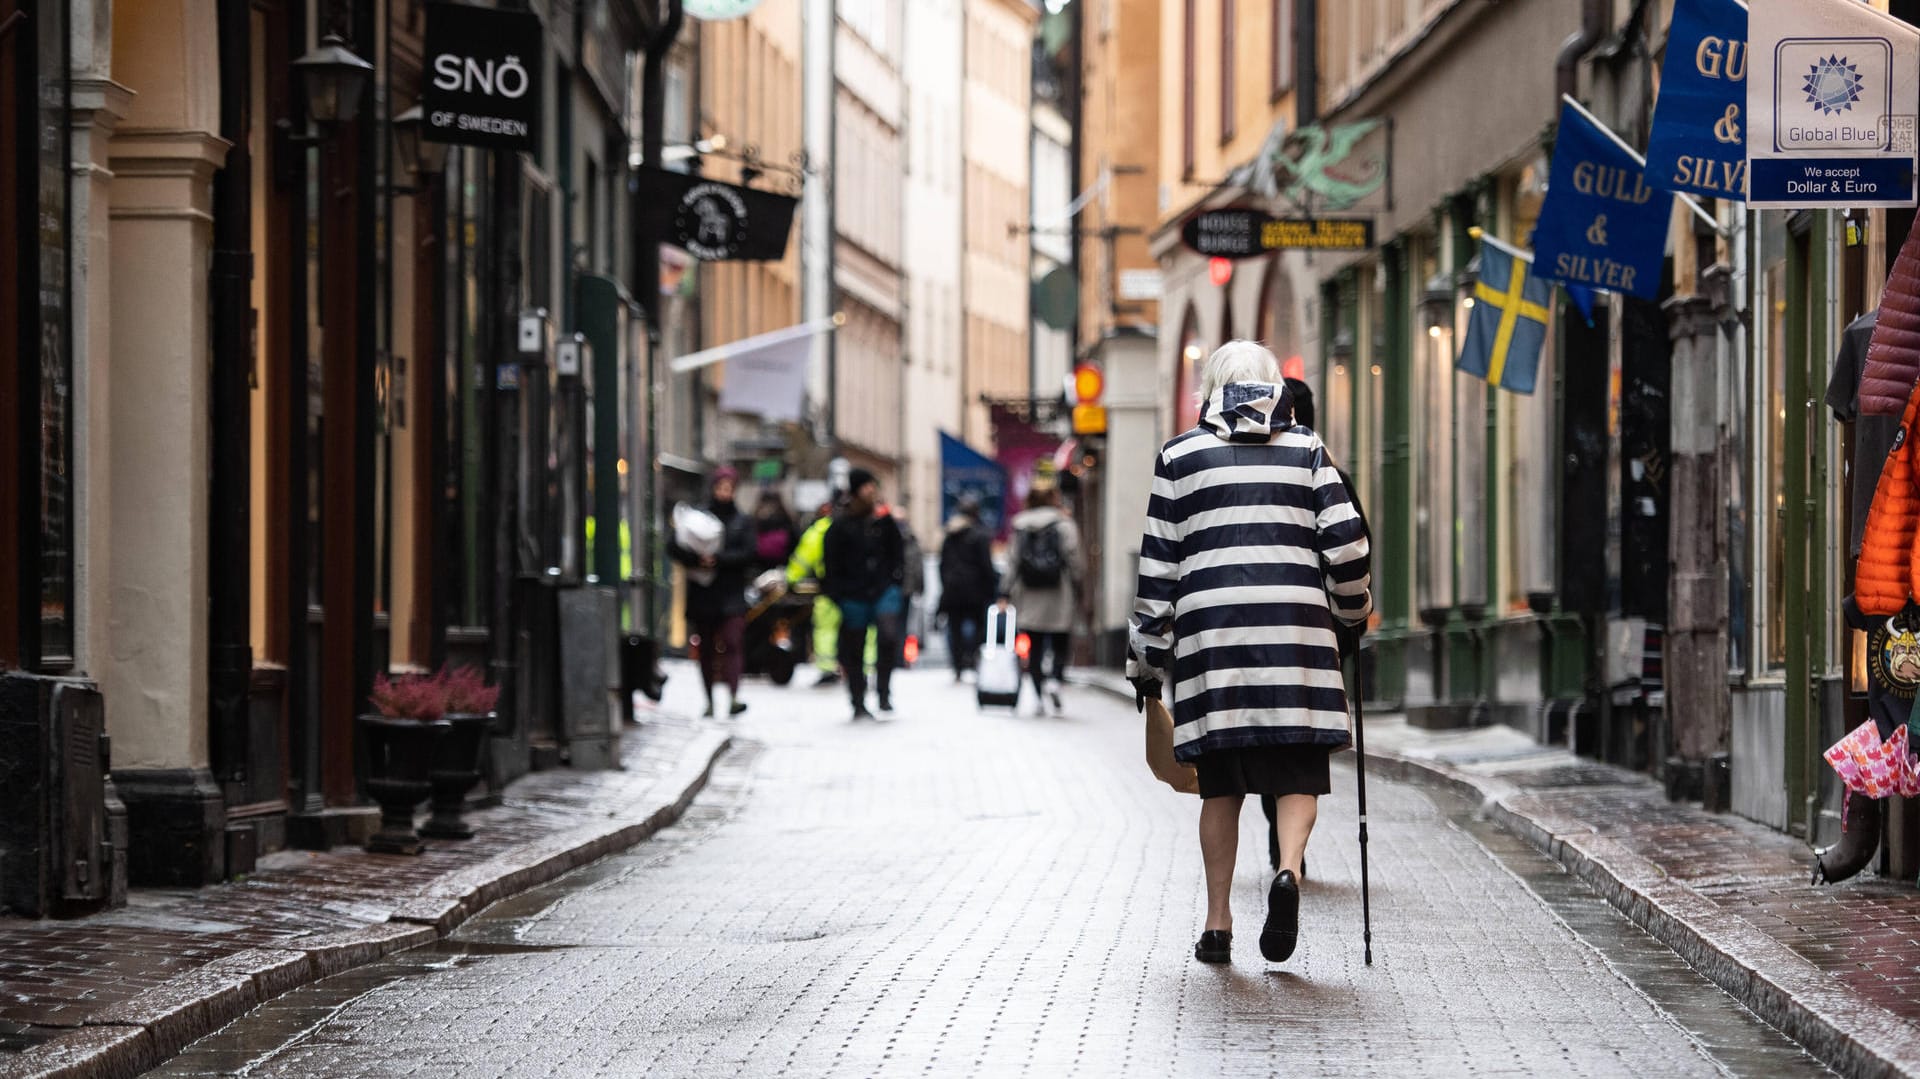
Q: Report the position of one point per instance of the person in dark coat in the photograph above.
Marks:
(967, 584)
(1252, 552)
(717, 609)
(865, 567)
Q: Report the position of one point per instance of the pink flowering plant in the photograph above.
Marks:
(427, 697)
(410, 696)
(467, 691)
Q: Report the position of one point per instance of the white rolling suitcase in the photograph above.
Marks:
(998, 683)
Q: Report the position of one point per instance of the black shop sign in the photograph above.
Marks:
(483, 77)
(1240, 234)
(713, 221)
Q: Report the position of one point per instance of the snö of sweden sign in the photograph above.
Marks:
(482, 84)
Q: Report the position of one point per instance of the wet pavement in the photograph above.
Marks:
(120, 990)
(954, 892)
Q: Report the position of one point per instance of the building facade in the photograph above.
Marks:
(995, 287)
(282, 431)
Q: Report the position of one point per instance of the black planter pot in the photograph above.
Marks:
(400, 755)
(456, 769)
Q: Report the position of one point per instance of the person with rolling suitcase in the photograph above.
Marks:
(997, 684)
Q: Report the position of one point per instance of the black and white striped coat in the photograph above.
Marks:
(1252, 549)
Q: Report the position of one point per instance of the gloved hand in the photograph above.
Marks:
(1145, 688)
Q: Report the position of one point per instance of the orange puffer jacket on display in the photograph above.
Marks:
(1888, 572)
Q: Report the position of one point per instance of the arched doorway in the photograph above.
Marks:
(1193, 353)
(1275, 316)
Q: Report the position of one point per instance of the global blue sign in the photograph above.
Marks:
(1699, 140)
(1831, 105)
(1604, 224)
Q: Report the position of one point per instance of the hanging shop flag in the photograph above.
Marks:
(1604, 224)
(1830, 105)
(1699, 124)
(1508, 325)
(482, 84)
(767, 375)
(712, 221)
(967, 473)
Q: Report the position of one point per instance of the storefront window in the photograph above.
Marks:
(1770, 429)
(1432, 434)
(56, 361)
(466, 390)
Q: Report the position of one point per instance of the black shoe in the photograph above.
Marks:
(886, 704)
(827, 678)
(738, 707)
(1282, 931)
(1216, 946)
(860, 712)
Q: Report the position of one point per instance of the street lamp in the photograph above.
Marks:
(334, 79)
(1436, 305)
(418, 155)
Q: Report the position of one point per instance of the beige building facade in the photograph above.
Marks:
(995, 288)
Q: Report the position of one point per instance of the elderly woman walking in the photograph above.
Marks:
(1253, 549)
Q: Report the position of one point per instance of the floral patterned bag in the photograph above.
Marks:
(1875, 768)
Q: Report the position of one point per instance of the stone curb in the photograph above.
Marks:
(138, 1034)
(1851, 1035)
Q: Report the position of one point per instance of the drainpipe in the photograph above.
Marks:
(229, 613)
(646, 277)
(1566, 66)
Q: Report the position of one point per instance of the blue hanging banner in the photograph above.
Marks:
(1604, 224)
(1699, 141)
(967, 473)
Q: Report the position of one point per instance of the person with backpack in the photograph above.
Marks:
(968, 584)
(1043, 583)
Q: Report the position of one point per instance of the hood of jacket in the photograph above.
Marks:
(1248, 411)
(1038, 517)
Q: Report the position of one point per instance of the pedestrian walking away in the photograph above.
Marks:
(967, 583)
(716, 600)
(1044, 572)
(1252, 554)
(1348, 635)
(864, 557)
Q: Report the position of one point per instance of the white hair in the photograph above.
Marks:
(1237, 361)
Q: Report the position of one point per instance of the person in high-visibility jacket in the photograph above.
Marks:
(808, 563)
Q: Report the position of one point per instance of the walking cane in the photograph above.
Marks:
(1360, 775)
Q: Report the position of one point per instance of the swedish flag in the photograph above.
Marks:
(1509, 322)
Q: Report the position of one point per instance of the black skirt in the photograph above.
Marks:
(1274, 770)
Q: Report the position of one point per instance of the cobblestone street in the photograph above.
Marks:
(961, 893)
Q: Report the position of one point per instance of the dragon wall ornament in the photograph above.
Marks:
(1316, 163)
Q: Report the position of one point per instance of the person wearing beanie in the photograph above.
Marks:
(865, 569)
(717, 610)
(968, 583)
